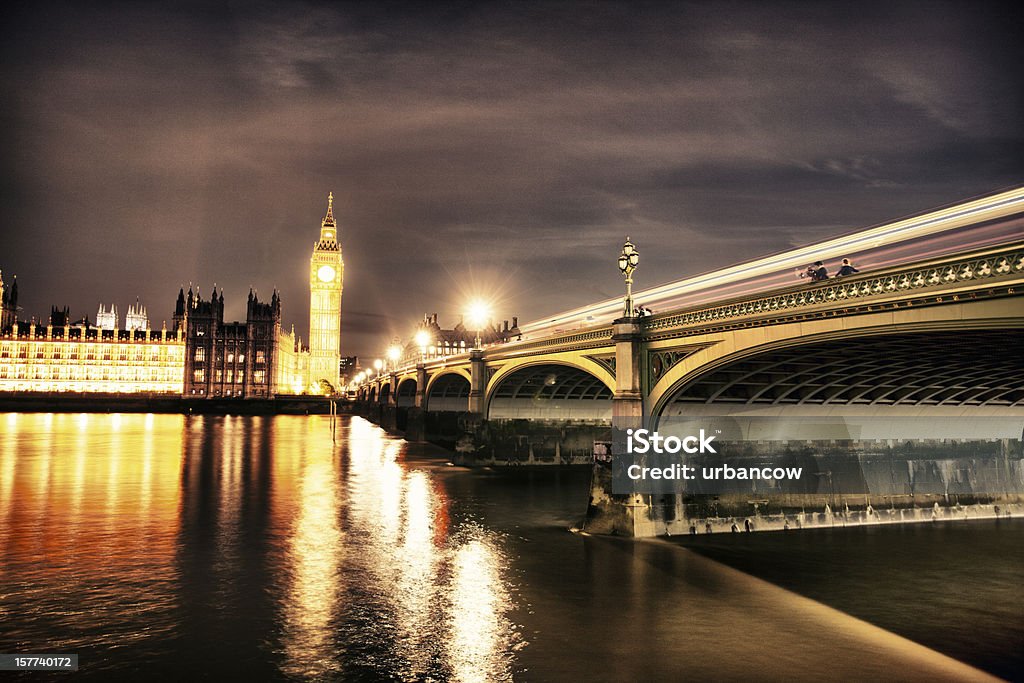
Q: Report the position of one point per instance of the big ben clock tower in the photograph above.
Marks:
(326, 271)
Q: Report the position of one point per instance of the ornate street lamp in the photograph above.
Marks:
(423, 340)
(479, 313)
(628, 260)
(378, 365)
(394, 355)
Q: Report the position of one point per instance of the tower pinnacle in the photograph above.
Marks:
(329, 218)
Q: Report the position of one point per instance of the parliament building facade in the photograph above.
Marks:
(201, 356)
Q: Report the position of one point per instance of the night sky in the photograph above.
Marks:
(504, 150)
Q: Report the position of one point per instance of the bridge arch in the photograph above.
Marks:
(447, 391)
(713, 350)
(385, 392)
(966, 371)
(549, 389)
(373, 394)
(405, 396)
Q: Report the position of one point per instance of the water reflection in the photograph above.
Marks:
(315, 559)
(426, 583)
(88, 522)
(257, 545)
(481, 637)
(264, 549)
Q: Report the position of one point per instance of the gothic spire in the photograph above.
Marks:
(329, 218)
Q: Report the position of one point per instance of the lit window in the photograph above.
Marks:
(200, 354)
(261, 357)
(199, 375)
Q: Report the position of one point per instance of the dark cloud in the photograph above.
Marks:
(503, 149)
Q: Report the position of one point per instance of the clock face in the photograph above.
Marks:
(326, 274)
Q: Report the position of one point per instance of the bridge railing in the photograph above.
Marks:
(936, 274)
(997, 264)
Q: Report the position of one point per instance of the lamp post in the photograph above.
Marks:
(394, 355)
(479, 312)
(423, 340)
(378, 365)
(628, 260)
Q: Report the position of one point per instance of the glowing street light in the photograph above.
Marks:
(423, 340)
(628, 260)
(479, 315)
(378, 365)
(394, 354)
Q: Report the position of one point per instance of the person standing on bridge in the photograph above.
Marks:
(816, 272)
(846, 268)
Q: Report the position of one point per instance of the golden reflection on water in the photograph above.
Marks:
(88, 523)
(445, 592)
(314, 555)
(481, 635)
(149, 522)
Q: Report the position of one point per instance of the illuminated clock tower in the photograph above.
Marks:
(326, 271)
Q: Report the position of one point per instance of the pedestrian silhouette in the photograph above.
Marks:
(846, 268)
(816, 272)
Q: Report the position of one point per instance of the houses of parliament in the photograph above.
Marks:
(200, 356)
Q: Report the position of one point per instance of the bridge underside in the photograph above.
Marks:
(405, 397)
(978, 368)
(449, 393)
(551, 392)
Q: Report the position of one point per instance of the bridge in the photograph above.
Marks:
(937, 334)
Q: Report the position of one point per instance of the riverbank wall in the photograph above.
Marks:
(851, 484)
(24, 402)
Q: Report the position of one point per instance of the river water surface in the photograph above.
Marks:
(171, 547)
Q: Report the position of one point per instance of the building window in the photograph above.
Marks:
(241, 358)
(199, 375)
(200, 354)
(259, 376)
(261, 357)
(231, 359)
(231, 376)
(218, 376)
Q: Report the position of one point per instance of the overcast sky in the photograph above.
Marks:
(505, 149)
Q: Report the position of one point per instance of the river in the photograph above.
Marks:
(280, 548)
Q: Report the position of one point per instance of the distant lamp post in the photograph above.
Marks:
(628, 260)
(423, 340)
(378, 365)
(394, 355)
(479, 314)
